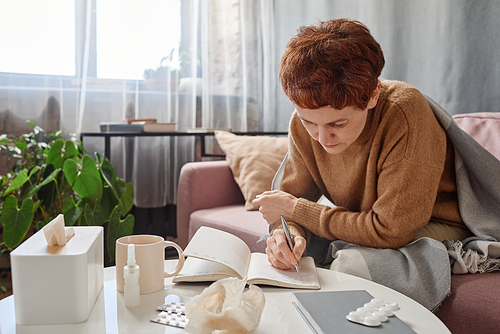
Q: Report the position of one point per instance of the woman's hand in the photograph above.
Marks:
(278, 252)
(274, 203)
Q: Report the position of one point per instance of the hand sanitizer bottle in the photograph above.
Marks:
(131, 275)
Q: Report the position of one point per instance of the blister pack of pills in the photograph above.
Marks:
(172, 314)
(172, 319)
(172, 307)
(373, 313)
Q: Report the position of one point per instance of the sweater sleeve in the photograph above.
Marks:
(407, 157)
(297, 178)
(300, 176)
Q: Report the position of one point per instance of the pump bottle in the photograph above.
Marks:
(131, 275)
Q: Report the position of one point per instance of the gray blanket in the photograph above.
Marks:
(422, 269)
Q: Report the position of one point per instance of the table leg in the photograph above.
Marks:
(107, 147)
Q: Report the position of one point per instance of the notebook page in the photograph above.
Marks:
(261, 268)
(219, 246)
(195, 269)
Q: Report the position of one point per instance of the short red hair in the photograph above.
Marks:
(331, 63)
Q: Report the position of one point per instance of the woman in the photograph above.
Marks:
(373, 148)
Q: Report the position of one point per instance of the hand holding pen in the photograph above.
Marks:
(289, 240)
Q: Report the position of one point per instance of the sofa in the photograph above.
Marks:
(212, 193)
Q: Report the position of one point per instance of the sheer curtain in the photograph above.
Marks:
(137, 28)
(219, 74)
(228, 50)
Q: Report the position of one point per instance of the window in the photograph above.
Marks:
(37, 36)
(131, 36)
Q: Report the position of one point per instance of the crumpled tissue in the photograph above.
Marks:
(225, 308)
(55, 232)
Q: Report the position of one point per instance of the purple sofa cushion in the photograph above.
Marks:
(472, 306)
(484, 127)
(247, 225)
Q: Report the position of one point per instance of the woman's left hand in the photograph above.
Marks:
(274, 203)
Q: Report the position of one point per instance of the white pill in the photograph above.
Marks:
(380, 315)
(370, 307)
(355, 316)
(371, 321)
(364, 310)
(394, 306)
(387, 310)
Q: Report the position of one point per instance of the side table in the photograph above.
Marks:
(111, 316)
(201, 135)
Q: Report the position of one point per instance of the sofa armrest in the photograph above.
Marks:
(204, 185)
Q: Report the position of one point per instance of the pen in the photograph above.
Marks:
(289, 239)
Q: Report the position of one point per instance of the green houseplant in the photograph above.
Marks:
(52, 175)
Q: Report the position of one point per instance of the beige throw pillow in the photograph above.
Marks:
(253, 160)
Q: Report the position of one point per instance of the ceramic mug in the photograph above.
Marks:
(150, 257)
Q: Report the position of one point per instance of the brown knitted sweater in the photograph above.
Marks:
(391, 181)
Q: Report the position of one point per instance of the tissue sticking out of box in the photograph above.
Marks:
(56, 233)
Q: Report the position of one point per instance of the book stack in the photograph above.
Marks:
(138, 125)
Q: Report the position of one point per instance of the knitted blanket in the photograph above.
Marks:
(422, 269)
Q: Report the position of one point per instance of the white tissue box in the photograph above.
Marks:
(58, 284)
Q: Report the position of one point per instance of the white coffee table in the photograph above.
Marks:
(111, 316)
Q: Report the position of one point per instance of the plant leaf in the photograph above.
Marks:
(92, 215)
(16, 221)
(47, 180)
(47, 194)
(34, 170)
(40, 224)
(108, 172)
(21, 145)
(118, 228)
(18, 181)
(108, 202)
(55, 133)
(109, 176)
(36, 205)
(32, 182)
(127, 198)
(123, 191)
(55, 153)
(70, 151)
(70, 171)
(88, 216)
(87, 182)
(72, 211)
(87, 211)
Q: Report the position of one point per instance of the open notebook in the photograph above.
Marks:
(214, 254)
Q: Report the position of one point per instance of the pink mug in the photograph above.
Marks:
(150, 256)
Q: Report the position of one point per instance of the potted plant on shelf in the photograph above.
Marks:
(157, 79)
(53, 175)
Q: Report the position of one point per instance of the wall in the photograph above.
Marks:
(447, 49)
